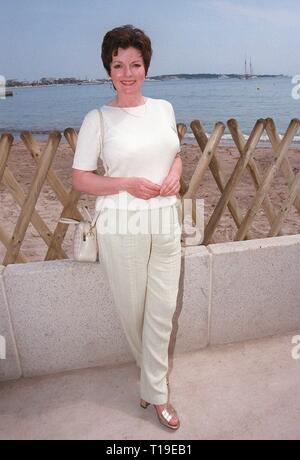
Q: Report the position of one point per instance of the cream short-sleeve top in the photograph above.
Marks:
(137, 141)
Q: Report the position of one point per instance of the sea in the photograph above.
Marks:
(210, 100)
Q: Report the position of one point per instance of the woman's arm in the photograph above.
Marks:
(176, 167)
(89, 182)
(171, 184)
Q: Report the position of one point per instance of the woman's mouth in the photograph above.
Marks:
(128, 83)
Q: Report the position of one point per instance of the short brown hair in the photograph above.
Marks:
(125, 37)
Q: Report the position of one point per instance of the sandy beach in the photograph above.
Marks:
(23, 168)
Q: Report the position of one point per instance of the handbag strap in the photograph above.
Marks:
(97, 214)
(66, 220)
(102, 139)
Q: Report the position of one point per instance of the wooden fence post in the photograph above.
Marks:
(286, 167)
(234, 179)
(70, 206)
(217, 173)
(201, 167)
(240, 142)
(280, 153)
(31, 199)
(6, 141)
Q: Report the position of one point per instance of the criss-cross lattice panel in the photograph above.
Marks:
(26, 201)
(262, 183)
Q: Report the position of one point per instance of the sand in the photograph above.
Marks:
(33, 248)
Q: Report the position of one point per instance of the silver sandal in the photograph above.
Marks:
(165, 416)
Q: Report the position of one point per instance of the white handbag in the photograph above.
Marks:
(85, 244)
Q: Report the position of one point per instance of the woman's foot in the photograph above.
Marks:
(166, 414)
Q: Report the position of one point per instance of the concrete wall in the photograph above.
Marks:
(59, 315)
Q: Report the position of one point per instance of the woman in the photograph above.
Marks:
(138, 143)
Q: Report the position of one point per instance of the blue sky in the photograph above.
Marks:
(63, 37)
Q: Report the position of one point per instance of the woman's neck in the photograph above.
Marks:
(128, 101)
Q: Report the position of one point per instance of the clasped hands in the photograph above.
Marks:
(145, 189)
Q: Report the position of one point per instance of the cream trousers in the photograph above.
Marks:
(141, 254)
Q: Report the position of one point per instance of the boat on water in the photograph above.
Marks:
(248, 75)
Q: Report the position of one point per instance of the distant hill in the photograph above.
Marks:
(195, 76)
(45, 81)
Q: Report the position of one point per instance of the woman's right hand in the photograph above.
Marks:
(142, 188)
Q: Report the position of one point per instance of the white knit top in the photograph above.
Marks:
(137, 141)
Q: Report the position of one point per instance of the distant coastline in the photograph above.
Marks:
(14, 83)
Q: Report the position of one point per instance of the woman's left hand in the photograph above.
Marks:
(171, 185)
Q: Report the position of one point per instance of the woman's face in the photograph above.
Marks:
(127, 71)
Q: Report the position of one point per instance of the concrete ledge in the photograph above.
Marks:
(190, 322)
(9, 361)
(255, 289)
(63, 317)
(58, 316)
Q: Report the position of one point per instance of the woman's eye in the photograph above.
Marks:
(117, 66)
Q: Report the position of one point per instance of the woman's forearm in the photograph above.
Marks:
(89, 182)
(176, 167)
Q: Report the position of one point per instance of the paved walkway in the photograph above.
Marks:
(248, 390)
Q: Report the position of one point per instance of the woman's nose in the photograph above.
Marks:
(127, 71)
